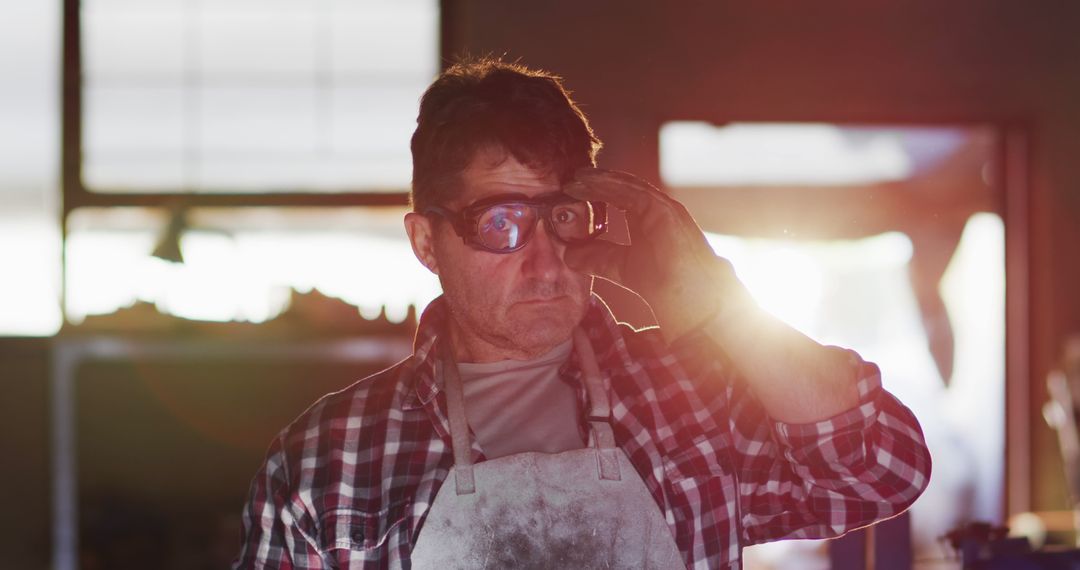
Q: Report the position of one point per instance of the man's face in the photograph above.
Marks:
(509, 305)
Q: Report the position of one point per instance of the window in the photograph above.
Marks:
(29, 152)
(242, 264)
(253, 95)
(245, 116)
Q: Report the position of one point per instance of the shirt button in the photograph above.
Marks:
(357, 534)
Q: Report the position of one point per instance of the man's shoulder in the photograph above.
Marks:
(640, 342)
(650, 363)
(355, 407)
(636, 358)
(326, 466)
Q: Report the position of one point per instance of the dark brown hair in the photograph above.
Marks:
(487, 102)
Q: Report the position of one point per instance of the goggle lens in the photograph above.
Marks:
(504, 224)
(506, 227)
(573, 220)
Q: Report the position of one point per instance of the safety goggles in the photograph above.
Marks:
(505, 223)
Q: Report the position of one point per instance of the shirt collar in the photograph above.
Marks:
(599, 325)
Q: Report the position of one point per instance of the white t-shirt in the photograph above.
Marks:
(514, 406)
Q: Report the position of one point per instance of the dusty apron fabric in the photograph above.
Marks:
(585, 508)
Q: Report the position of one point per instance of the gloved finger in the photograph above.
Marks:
(674, 210)
(588, 173)
(644, 203)
(598, 257)
(627, 180)
(634, 202)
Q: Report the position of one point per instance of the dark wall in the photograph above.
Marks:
(24, 453)
(164, 444)
(634, 65)
(166, 447)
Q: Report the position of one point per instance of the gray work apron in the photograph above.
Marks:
(585, 508)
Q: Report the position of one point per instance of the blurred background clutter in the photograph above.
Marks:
(200, 233)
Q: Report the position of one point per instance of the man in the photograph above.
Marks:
(529, 428)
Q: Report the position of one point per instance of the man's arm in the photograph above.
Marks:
(820, 447)
(817, 479)
(671, 265)
(825, 478)
(796, 379)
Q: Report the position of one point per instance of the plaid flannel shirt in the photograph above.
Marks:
(348, 484)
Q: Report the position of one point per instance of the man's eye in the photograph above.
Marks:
(565, 216)
(498, 223)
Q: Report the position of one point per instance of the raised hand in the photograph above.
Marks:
(668, 262)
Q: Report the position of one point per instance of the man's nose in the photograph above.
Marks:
(543, 255)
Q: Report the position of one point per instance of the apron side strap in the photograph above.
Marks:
(464, 481)
(599, 405)
(599, 417)
(607, 453)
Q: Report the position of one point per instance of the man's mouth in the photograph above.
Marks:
(539, 301)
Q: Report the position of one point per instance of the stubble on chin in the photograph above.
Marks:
(514, 326)
(541, 327)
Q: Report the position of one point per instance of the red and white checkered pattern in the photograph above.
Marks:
(348, 484)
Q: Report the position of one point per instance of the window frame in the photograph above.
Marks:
(75, 194)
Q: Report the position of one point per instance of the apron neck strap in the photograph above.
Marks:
(459, 426)
(601, 435)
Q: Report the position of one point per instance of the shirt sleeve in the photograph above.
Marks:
(270, 537)
(820, 479)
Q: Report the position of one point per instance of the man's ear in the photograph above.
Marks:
(422, 237)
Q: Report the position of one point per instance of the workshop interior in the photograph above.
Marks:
(201, 234)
